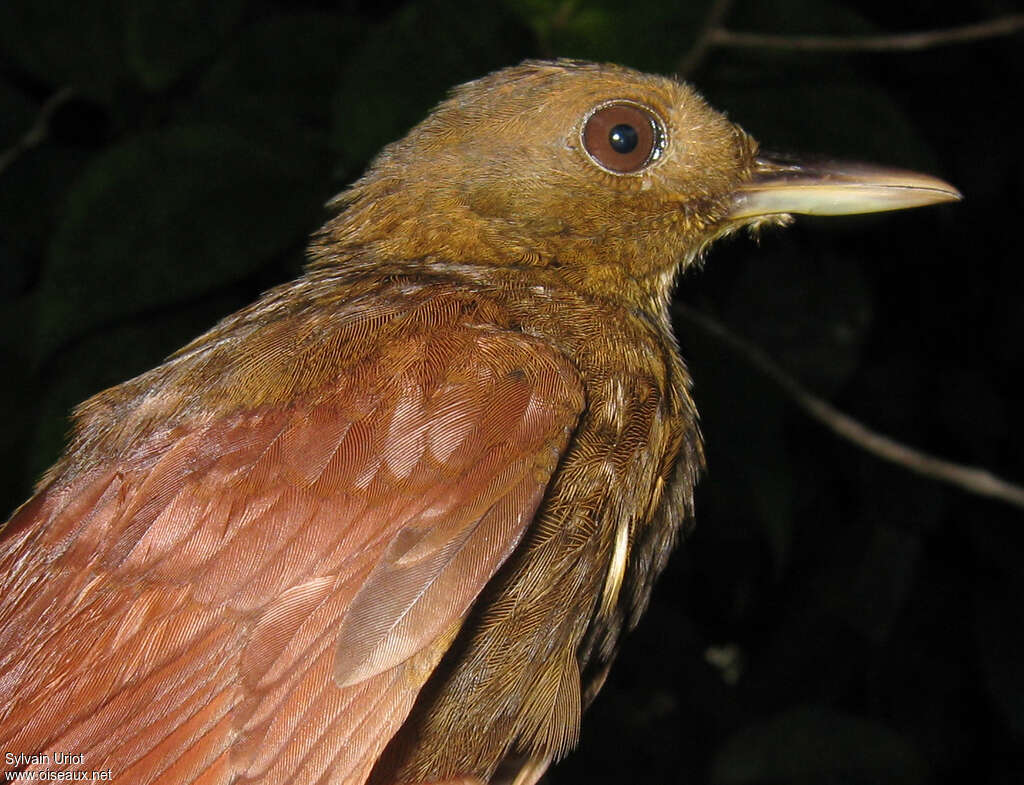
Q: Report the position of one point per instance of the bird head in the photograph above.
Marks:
(617, 179)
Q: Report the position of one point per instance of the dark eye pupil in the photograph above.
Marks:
(623, 138)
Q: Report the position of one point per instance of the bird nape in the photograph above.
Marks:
(388, 523)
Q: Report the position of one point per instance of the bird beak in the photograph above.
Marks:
(786, 184)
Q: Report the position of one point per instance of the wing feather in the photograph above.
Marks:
(260, 596)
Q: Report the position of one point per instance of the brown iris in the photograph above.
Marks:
(622, 138)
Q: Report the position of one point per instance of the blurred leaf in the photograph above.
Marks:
(877, 596)
(808, 655)
(16, 427)
(164, 217)
(897, 500)
(810, 312)
(66, 44)
(748, 469)
(790, 112)
(17, 114)
(543, 15)
(799, 17)
(771, 488)
(1000, 620)
(999, 626)
(928, 680)
(973, 410)
(30, 199)
(165, 39)
(818, 746)
(430, 47)
(645, 34)
(277, 83)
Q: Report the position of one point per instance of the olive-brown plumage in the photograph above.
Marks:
(388, 523)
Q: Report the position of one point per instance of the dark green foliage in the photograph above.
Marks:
(870, 620)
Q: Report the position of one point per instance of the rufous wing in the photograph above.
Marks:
(259, 597)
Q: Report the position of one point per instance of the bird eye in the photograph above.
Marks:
(622, 138)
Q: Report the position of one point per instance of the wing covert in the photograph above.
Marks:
(263, 594)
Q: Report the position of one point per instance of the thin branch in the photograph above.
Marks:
(906, 42)
(712, 25)
(39, 130)
(968, 478)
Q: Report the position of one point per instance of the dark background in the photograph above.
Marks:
(870, 620)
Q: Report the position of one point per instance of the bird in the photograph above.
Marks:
(390, 523)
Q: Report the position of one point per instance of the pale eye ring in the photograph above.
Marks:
(622, 137)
